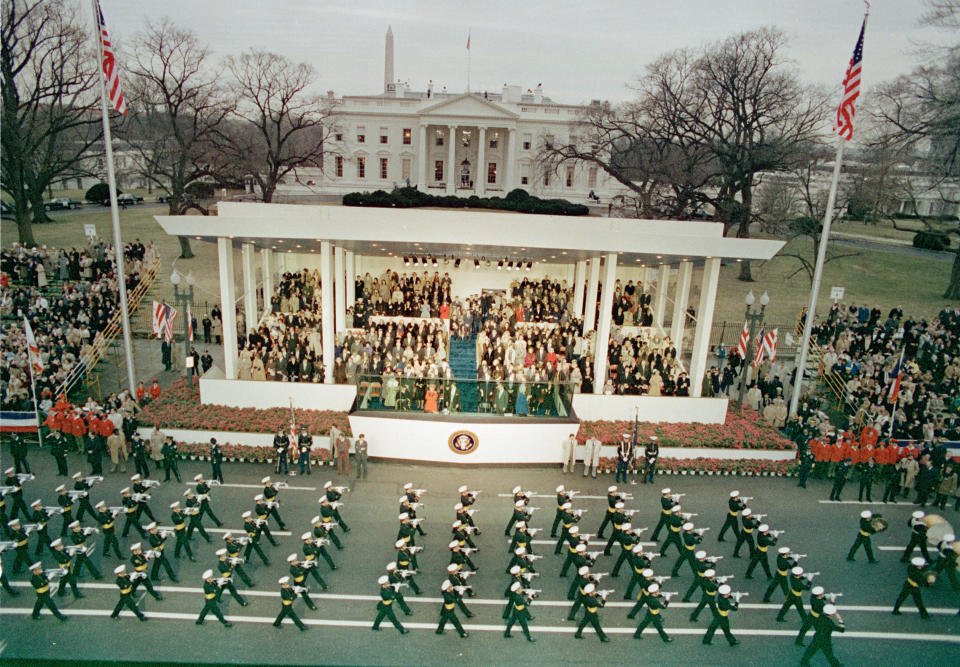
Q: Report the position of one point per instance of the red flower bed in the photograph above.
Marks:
(246, 453)
(180, 407)
(746, 431)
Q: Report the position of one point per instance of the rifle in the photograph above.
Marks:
(604, 593)
(414, 550)
(688, 515)
(53, 510)
(533, 557)
(661, 580)
(758, 517)
(416, 522)
(532, 593)
(281, 485)
(746, 499)
(810, 575)
(628, 512)
(142, 497)
(235, 561)
(738, 596)
(300, 589)
(74, 495)
(700, 531)
(777, 533)
(406, 573)
(27, 477)
(307, 564)
(151, 483)
(600, 575)
(398, 585)
(93, 479)
(798, 556)
(833, 596)
(530, 575)
(534, 531)
(272, 504)
(87, 531)
(469, 550)
(4, 490)
(724, 579)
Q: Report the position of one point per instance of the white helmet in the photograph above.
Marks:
(724, 590)
(866, 514)
(918, 562)
(796, 571)
(817, 590)
(829, 609)
(734, 494)
(383, 580)
(653, 589)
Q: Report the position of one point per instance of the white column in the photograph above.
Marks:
(680, 299)
(266, 256)
(228, 296)
(660, 301)
(701, 338)
(480, 181)
(451, 157)
(326, 310)
(422, 160)
(602, 341)
(351, 271)
(249, 286)
(280, 264)
(511, 174)
(340, 312)
(590, 298)
(579, 275)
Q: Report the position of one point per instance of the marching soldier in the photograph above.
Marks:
(465, 516)
(515, 576)
(618, 519)
(299, 575)
(5, 583)
(156, 540)
(406, 531)
(700, 565)
(647, 578)
(639, 562)
(334, 494)
(21, 545)
(192, 510)
(667, 503)
(448, 609)
(460, 557)
(577, 555)
(81, 486)
(655, 604)
(312, 547)
(328, 519)
(918, 537)
(225, 568)
(519, 601)
(567, 532)
(179, 521)
(407, 562)
(947, 560)
(127, 589)
(78, 536)
(66, 506)
(234, 550)
(130, 513)
(41, 586)
(262, 511)
(749, 523)
(916, 573)
(592, 602)
(759, 556)
(824, 627)
(455, 577)
(203, 495)
(519, 514)
(721, 619)
(461, 534)
(211, 592)
(562, 497)
(388, 593)
(522, 537)
(785, 563)
(467, 497)
(613, 498)
(863, 537)
(17, 505)
(396, 577)
(252, 529)
(628, 540)
(577, 590)
(140, 563)
(797, 584)
(690, 540)
(40, 519)
(323, 537)
(108, 525)
(521, 558)
(142, 497)
(674, 525)
(65, 562)
(270, 494)
(708, 596)
(818, 599)
(734, 504)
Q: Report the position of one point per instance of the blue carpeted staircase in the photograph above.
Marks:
(463, 363)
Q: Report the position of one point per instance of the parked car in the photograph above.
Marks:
(129, 199)
(6, 211)
(62, 204)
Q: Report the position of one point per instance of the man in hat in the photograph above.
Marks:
(765, 540)
(313, 547)
(65, 562)
(83, 487)
(216, 461)
(193, 512)
(407, 561)
(107, 523)
(140, 564)
(916, 572)
(262, 513)
(203, 495)
(299, 575)
(721, 619)
(840, 478)
(41, 585)
(210, 596)
(708, 597)
(796, 584)
(58, 449)
(156, 540)
(519, 612)
(127, 589)
(334, 494)
(613, 497)
(448, 609)
(748, 524)
(234, 550)
(287, 596)
(563, 497)
(138, 452)
(304, 445)
(253, 532)
(918, 537)
(66, 506)
(360, 449)
(818, 600)
(17, 506)
(667, 503)
(225, 568)
(824, 627)
(328, 522)
(270, 494)
(40, 519)
(734, 505)
(569, 453)
(78, 537)
(388, 594)
(179, 521)
(519, 513)
(655, 604)
(785, 562)
(396, 576)
(281, 443)
(863, 537)
(130, 513)
(591, 604)
(169, 452)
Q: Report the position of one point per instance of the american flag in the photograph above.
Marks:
(744, 340)
(163, 317)
(769, 345)
(468, 41)
(851, 90)
(33, 349)
(189, 324)
(109, 66)
(896, 374)
(758, 357)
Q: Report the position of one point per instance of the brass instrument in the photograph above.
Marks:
(937, 528)
(212, 482)
(193, 511)
(74, 495)
(878, 524)
(140, 497)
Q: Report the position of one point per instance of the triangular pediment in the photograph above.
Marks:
(469, 105)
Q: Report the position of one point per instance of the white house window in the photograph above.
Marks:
(592, 177)
(361, 135)
(338, 136)
(546, 179)
(439, 141)
(383, 167)
(405, 169)
(383, 135)
(339, 166)
(492, 173)
(526, 142)
(494, 140)
(361, 167)
(569, 180)
(407, 136)
(438, 170)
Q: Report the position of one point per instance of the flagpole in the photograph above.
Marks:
(114, 209)
(36, 403)
(468, 61)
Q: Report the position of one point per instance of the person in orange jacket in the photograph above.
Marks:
(155, 390)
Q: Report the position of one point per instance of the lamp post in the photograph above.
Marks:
(184, 301)
(754, 319)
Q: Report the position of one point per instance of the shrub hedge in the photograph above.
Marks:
(516, 200)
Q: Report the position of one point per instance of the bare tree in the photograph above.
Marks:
(278, 125)
(49, 92)
(176, 106)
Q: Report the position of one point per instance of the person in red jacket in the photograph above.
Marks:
(141, 392)
(155, 390)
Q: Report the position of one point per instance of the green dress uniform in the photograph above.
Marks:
(613, 497)
(521, 538)
(785, 562)
(707, 598)
(156, 541)
(641, 596)
(721, 620)
(127, 589)
(591, 605)
(405, 561)
(666, 510)
(918, 539)
(617, 519)
(796, 585)
(734, 505)
(579, 595)
(690, 540)
(396, 578)
(234, 550)
(462, 536)
(270, 494)
(655, 604)
(109, 529)
(41, 519)
(328, 518)
(448, 612)
(169, 451)
(252, 530)
(287, 596)
(84, 499)
(674, 527)
(627, 542)
(824, 627)
(22, 549)
(817, 603)
(143, 506)
(4, 529)
(566, 521)
(298, 574)
(140, 565)
(334, 496)
(519, 613)
(263, 527)
(750, 524)
(863, 539)
(17, 506)
(41, 585)
(638, 563)
(130, 513)
(464, 517)
(210, 606)
(66, 504)
(519, 514)
(407, 533)
(226, 572)
(385, 608)
(911, 588)
(562, 497)
(456, 580)
(80, 557)
(526, 565)
(947, 562)
(192, 512)
(700, 565)
(310, 553)
(575, 559)
(321, 533)
(65, 562)
(203, 495)
(179, 521)
(759, 555)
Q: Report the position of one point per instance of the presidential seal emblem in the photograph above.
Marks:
(463, 442)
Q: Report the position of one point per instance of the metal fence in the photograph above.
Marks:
(728, 333)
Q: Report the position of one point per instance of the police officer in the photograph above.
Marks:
(127, 589)
(140, 564)
(388, 594)
(225, 568)
(179, 521)
(734, 505)
(911, 587)
(591, 604)
(765, 540)
(721, 618)
(918, 537)
(863, 537)
(519, 602)
(796, 584)
(655, 604)
(211, 591)
(448, 609)
(203, 495)
(824, 627)
(216, 461)
(41, 586)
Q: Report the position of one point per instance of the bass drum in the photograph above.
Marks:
(937, 528)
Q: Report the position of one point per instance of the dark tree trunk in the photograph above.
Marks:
(36, 207)
(953, 288)
(25, 229)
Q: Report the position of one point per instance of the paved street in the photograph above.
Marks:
(340, 628)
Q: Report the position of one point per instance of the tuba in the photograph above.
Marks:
(937, 528)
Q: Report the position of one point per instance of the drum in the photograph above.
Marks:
(879, 524)
(937, 528)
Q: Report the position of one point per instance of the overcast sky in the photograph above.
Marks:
(578, 50)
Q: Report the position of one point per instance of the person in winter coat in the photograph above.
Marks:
(909, 469)
(947, 486)
(156, 447)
